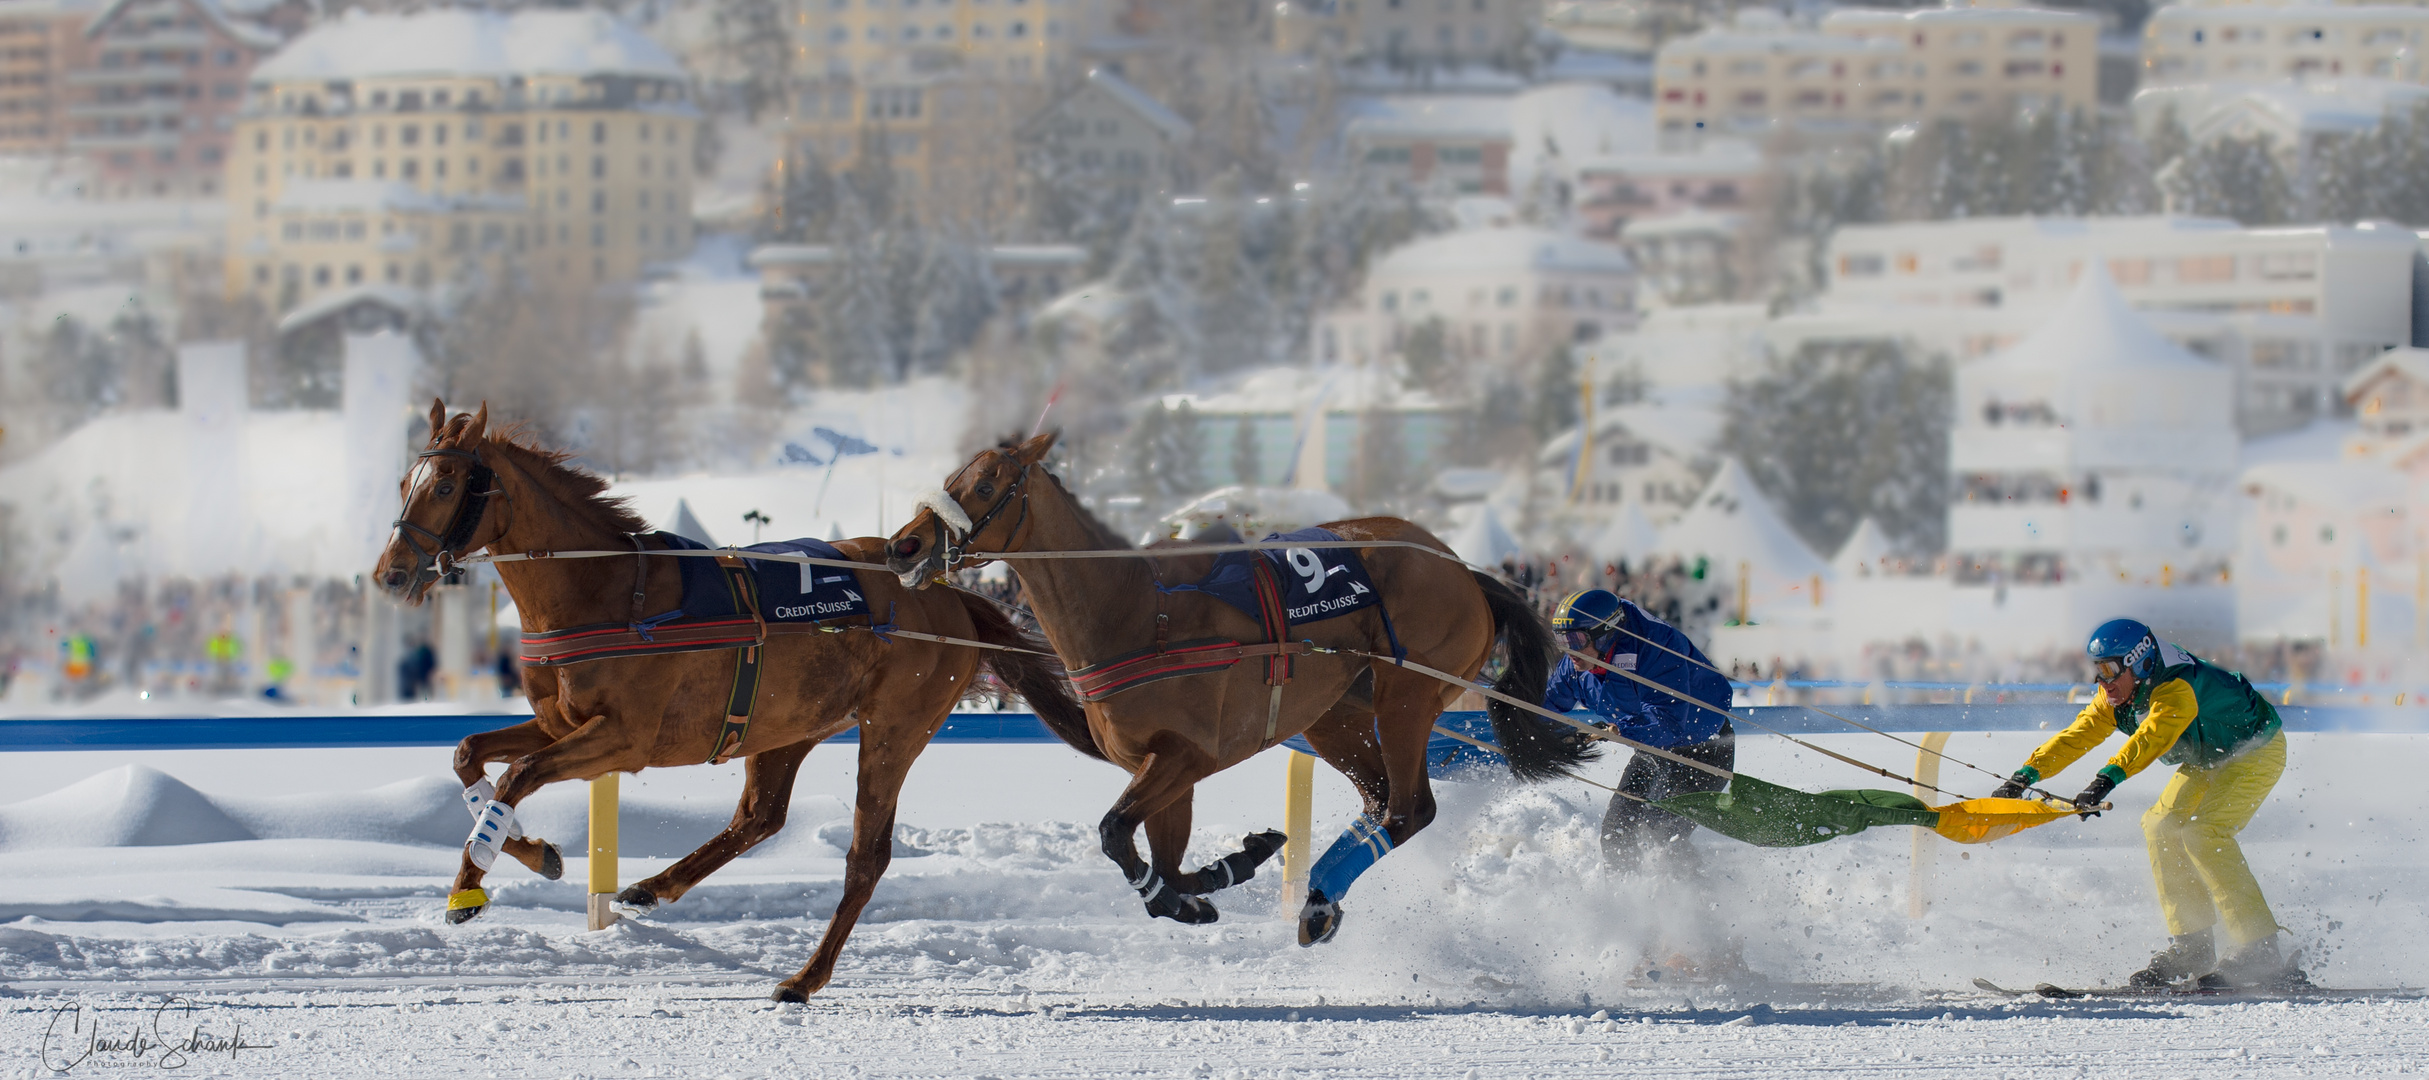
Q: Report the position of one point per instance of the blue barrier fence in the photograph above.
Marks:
(377, 730)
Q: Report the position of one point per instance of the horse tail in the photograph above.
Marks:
(1536, 748)
(1037, 679)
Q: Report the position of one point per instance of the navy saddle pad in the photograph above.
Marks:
(788, 592)
(1317, 583)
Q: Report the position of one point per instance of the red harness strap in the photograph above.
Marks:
(1096, 682)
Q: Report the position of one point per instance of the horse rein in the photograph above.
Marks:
(447, 549)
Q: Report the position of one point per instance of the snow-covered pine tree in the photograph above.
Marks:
(1835, 433)
(1153, 334)
(855, 348)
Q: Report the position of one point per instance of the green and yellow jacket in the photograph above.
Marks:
(2189, 712)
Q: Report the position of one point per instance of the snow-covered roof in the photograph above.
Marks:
(1954, 15)
(1502, 250)
(397, 297)
(220, 14)
(459, 42)
(2095, 329)
(1731, 522)
(1440, 116)
(1717, 156)
(2405, 363)
(1142, 103)
(2344, 485)
(1683, 431)
(1559, 125)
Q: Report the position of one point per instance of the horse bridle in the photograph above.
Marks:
(430, 564)
(953, 552)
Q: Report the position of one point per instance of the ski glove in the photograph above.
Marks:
(2015, 785)
(2087, 805)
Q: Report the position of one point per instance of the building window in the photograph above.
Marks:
(598, 131)
(2203, 268)
(598, 235)
(598, 167)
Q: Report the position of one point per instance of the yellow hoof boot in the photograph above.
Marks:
(465, 905)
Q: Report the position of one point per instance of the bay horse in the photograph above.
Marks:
(1369, 718)
(470, 489)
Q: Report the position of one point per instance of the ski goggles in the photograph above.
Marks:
(2108, 668)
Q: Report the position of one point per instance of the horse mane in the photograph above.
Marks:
(1098, 531)
(570, 484)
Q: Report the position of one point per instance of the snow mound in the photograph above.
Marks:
(129, 806)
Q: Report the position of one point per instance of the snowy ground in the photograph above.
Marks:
(297, 893)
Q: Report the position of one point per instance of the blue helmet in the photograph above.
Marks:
(2129, 643)
(1590, 610)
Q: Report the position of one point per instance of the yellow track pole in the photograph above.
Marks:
(1927, 771)
(1298, 820)
(603, 851)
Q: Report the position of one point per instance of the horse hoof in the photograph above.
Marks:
(460, 916)
(636, 902)
(1186, 910)
(1319, 920)
(552, 861)
(465, 905)
(787, 993)
(1261, 846)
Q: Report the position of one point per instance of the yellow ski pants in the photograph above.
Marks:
(2203, 880)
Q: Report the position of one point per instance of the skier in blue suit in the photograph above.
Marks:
(1679, 714)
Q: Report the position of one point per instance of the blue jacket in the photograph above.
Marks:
(1640, 712)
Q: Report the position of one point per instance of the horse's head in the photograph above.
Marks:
(446, 496)
(980, 509)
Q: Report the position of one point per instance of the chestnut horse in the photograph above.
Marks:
(470, 489)
(1368, 718)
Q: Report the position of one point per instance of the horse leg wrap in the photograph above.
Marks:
(489, 832)
(1360, 846)
(1164, 901)
(481, 794)
(1241, 865)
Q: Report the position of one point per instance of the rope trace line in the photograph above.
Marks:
(1756, 723)
(1590, 730)
(1816, 708)
(1260, 545)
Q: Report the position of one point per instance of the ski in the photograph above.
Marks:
(2055, 992)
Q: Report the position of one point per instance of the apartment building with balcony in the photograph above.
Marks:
(2291, 312)
(1861, 69)
(406, 149)
(2209, 41)
(40, 40)
(154, 97)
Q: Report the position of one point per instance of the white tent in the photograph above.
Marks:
(1732, 525)
(682, 522)
(1484, 540)
(1865, 552)
(1630, 535)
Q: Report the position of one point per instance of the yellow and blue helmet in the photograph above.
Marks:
(1589, 610)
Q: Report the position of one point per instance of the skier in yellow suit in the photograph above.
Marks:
(2229, 748)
